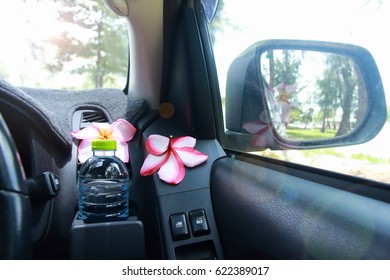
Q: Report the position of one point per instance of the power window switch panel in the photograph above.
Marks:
(179, 227)
(198, 222)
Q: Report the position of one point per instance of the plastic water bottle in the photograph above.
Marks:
(103, 185)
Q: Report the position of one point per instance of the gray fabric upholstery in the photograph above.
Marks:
(56, 107)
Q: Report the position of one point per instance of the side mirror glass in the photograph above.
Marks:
(291, 94)
(312, 95)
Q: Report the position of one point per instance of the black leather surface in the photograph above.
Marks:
(262, 213)
(15, 209)
(10, 169)
(15, 226)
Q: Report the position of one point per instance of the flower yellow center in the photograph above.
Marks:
(105, 133)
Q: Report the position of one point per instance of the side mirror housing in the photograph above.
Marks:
(292, 94)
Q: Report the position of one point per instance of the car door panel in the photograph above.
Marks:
(263, 213)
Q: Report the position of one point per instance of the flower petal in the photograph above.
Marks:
(185, 141)
(264, 141)
(123, 130)
(153, 163)
(122, 150)
(190, 156)
(173, 170)
(84, 150)
(89, 132)
(256, 127)
(157, 144)
(105, 130)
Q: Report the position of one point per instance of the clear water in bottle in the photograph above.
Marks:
(103, 189)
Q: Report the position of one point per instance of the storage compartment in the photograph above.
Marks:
(197, 251)
(119, 240)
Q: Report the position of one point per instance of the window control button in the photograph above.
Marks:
(179, 226)
(199, 223)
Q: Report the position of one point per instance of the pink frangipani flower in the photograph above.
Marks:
(168, 156)
(121, 130)
(262, 134)
(261, 130)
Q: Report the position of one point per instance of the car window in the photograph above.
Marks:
(63, 45)
(240, 24)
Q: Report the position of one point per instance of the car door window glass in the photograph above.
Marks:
(63, 45)
(240, 24)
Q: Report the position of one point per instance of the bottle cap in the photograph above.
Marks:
(104, 145)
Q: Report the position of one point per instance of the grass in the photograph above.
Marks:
(317, 152)
(370, 158)
(309, 134)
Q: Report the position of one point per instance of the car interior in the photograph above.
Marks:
(250, 207)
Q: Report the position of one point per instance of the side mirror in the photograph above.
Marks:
(290, 94)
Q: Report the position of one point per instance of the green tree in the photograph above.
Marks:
(362, 95)
(220, 22)
(338, 89)
(286, 68)
(327, 98)
(95, 43)
(281, 72)
(271, 65)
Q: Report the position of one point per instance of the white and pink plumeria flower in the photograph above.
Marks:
(121, 130)
(169, 156)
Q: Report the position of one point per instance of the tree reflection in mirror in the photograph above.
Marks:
(312, 95)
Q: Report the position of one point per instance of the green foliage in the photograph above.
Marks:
(295, 115)
(282, 67)
(370, 158)
(3, 72)
(388, 113)
(223, 101)
(287, 68)
(220, 22)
